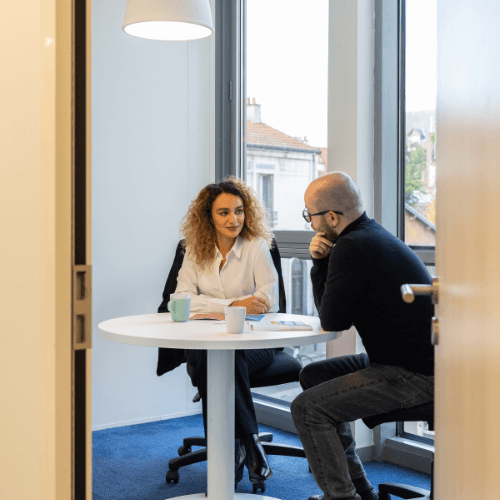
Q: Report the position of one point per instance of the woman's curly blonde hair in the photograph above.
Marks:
(197, 226)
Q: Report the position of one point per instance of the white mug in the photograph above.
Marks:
(235, 318)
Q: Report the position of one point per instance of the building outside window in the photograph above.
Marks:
(293, 162)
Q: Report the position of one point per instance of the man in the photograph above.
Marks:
(358, 269)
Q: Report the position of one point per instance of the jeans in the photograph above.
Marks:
(341, 390)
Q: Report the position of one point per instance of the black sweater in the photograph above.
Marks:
(359, 284)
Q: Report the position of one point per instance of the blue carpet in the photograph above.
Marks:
(130, 463)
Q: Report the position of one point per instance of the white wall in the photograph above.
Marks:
(151, 154)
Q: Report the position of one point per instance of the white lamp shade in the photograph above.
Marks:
(168, 19)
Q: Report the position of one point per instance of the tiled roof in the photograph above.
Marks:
(263, 135)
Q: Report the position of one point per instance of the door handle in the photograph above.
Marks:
(409, 291)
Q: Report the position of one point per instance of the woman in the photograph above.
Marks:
(228, 262)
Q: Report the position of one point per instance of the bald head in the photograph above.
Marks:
(335, 191)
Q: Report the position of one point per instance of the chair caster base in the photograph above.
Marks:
(172, 475)
(184, 450)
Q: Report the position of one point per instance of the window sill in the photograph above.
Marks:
(409, 453)
(273, 414)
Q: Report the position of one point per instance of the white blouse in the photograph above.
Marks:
(249, 271)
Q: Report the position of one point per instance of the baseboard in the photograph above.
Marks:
(267, 413)
(366, 453)
(275, 415)
(146, 420)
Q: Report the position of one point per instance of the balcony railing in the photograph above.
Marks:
(273, 218)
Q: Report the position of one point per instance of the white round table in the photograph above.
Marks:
(158, 330)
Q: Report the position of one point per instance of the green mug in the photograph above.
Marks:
(179, 306)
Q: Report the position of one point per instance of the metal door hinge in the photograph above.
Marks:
(82, 307)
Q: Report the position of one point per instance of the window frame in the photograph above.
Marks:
(230, 87)
(389, 145)
(425, 252)
(230, 116)
(388, 154)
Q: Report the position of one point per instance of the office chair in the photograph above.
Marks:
(419, 413)
(282, 370)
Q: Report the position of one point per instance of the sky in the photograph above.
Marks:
(421, 54)
(287, 63)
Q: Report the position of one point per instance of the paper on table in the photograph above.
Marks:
(255, 317)
(280, 325)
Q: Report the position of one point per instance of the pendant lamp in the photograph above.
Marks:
(173, 20)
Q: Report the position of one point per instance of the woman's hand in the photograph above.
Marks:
(254, 305)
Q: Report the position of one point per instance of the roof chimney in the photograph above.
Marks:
(253, 111)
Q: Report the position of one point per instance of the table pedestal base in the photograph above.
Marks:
(220, 439)
(237, 496)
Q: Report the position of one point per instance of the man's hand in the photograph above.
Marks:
(320, 247)
(254, 305)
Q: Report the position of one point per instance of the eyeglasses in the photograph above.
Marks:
(307, 216)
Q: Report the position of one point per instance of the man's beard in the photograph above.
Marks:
(329, 231)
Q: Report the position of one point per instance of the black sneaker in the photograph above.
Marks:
(365, 489)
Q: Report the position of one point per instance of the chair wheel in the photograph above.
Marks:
(384, 496)
(172, 475)
(260, 485)
(184, 450)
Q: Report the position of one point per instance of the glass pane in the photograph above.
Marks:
(420, 428)
(421, 91)
(299, 300)
(286, 81)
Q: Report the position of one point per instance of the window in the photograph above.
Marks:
(286, 104)
(286, 133)
(299, 297)
(271, 115)
(420, 162)
(418, 62)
